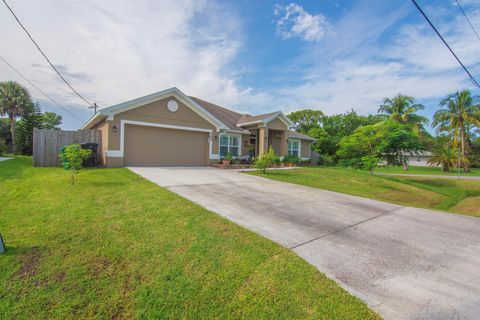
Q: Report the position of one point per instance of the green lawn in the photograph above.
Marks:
(426, 170)
(458, 196)
(116, 246)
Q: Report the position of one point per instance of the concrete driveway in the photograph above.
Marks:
(404, 262)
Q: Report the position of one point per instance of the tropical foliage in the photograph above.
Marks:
(368, 145)
(447, 158)
(458, 115)
(354, 140)
(14, 101)
(403, 109)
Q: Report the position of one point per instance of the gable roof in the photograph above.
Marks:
(265, 118)
(298, 135)
(227, 116)
(138, 102)
(222, 118)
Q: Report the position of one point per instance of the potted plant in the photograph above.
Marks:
(290, 160)
(227, 159)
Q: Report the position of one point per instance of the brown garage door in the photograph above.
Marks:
(151, 146)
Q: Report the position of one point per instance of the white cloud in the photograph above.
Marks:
(360, 65)
(295, 22)
(112, 51)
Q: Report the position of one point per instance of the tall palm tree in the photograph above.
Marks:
(458, 114)
(402, 108)
(14, 100)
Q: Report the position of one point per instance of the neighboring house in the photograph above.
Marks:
(169, 128)
(418, 159)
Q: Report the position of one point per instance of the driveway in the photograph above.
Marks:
(405, 263)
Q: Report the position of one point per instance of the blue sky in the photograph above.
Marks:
(252, 56)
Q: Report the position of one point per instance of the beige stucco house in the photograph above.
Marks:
(169, 128)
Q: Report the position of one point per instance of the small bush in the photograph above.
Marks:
(326, 160)
(3, 147)
(72, 157)
(291, 160)
(266, 160)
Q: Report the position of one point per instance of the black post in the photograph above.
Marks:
(2, 245)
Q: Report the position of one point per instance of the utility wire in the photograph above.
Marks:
(445, 42)
(40, 90)
(45, 56)
(465, 15)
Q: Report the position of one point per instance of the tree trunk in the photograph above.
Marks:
(12, 130)
(466, 168)
(446, 167)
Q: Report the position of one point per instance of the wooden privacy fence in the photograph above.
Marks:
(47, 144)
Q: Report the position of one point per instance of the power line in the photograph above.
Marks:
(40, 90)
(45, 56)
(465, 15)
(446, 44)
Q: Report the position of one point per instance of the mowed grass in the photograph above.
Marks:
(457, 196)
(116, 246)
(426, 170)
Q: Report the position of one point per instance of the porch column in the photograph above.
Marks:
(283, 144)
(262, 140)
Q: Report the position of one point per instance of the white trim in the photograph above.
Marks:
(113, 154)
(248, 123)
(141, 101)
(299, 145)
(278, 114)
(121, 153)
(282, 117)
(239, 136)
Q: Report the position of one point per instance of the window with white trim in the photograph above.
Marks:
(293, 147)
(229, 144)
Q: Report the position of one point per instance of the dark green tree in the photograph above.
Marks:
(306, 119)
(384, 140)
(31, 119)
(51, 120)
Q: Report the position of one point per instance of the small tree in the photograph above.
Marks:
(266, 160)
(73, 157)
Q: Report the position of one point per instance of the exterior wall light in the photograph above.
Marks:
(114, 128)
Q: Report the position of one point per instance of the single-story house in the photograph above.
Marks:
(416, 159)
(419, 159)
(169, 128)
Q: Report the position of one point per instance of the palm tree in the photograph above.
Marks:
(457, 115)
(14, 100)
(403, 109)
(447, 158)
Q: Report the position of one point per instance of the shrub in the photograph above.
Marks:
(291, 159)
(3, 146)
(266, 160)
(326, 160)
(72, 157)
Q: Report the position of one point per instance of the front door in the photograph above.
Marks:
(252, 149)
